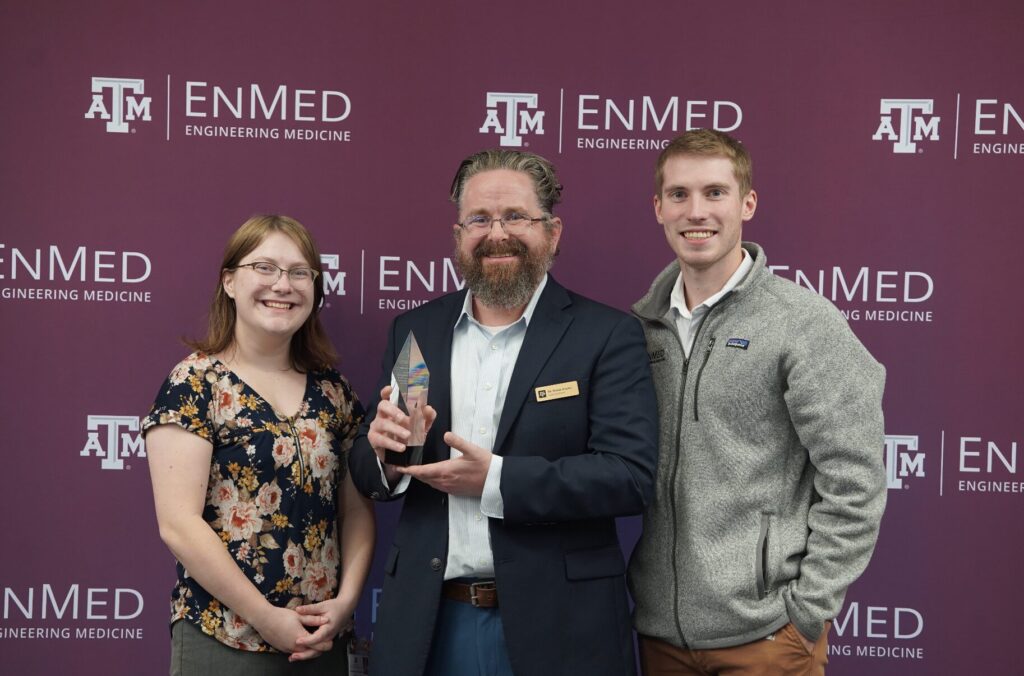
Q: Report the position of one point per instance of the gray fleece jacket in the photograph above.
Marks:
(770, 484)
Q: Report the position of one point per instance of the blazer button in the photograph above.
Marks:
(435, 563)
(375, 495)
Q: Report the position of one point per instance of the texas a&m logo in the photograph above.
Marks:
(518, 118)
(915, 123)
(114, 438)
(126, 102)
(902, 460)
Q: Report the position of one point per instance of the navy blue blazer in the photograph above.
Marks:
(571, 466)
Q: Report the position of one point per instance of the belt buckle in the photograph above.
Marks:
(487, 585)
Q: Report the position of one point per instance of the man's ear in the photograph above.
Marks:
(749, 205)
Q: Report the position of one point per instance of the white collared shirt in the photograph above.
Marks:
(688, 322)
(482, 362)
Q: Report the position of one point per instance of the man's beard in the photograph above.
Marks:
(504, 286)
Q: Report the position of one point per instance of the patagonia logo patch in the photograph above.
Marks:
(741, 343)
(657, 355)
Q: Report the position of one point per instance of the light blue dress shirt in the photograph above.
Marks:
(482, 361)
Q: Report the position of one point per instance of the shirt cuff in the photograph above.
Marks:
(400, 487)
(403, 483)
(491, 503)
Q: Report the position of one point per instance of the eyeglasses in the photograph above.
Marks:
(512, 223)
(299, 277)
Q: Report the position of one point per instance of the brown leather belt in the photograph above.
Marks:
(482, 594)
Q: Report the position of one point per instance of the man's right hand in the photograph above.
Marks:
(390, 429)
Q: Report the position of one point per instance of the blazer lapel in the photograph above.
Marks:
(547, 326)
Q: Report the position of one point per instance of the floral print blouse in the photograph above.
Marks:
(272, 495)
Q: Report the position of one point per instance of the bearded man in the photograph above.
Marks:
(543, 429)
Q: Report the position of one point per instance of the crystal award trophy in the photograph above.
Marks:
(411, 377)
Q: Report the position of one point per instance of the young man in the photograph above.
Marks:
(770, 485)
(506, 558)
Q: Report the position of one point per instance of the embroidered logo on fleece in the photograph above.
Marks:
(657, 355)
(741, 343)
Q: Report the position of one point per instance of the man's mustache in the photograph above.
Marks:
(492, 248)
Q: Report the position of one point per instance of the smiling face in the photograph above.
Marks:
(502, 270)
(265, 308)
(702, 210)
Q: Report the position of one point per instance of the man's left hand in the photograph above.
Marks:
(464, 475)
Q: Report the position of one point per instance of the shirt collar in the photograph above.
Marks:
(467, 306)
(677, 300)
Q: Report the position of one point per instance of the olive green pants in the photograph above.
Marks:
(193, 653)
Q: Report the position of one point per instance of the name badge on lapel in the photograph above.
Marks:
(557, 391)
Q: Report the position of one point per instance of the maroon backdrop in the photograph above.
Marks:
(887, 139)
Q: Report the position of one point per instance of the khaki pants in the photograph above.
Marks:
(193, 653)
(783, 654)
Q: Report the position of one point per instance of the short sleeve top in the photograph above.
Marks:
(273, 487)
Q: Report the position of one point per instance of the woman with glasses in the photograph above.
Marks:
(248, 442)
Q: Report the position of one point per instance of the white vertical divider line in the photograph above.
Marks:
(561, 113)
(956, 128)
(942, 461)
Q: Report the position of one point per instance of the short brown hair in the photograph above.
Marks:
(311, 349)
(540, 171)
(708, 143)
